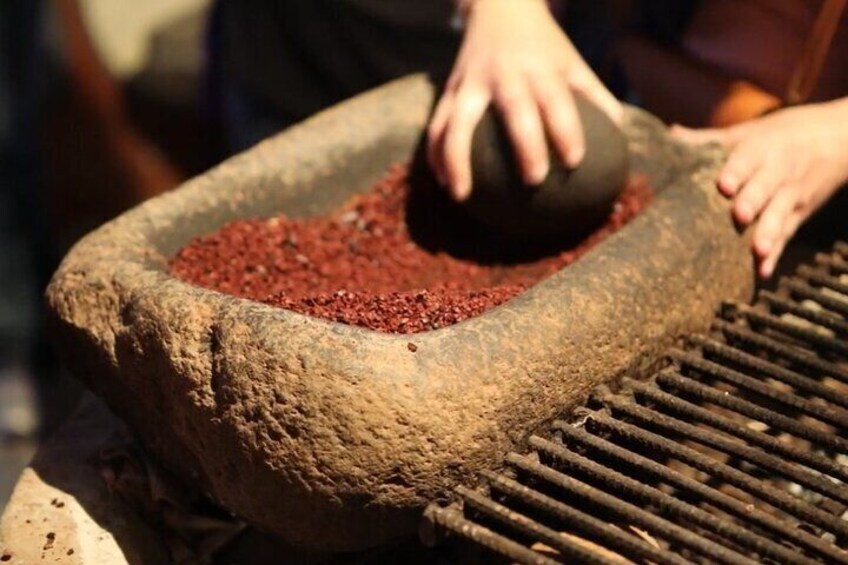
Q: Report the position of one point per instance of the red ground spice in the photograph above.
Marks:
(395, 259)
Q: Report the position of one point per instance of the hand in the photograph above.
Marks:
(781, 168)
(513, 55)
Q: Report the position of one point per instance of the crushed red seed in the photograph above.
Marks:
(377, 264)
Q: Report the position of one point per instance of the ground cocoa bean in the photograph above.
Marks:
(401, 258)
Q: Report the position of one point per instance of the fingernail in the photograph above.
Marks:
(728, 183)
(462, 191)
(743, 212)
(575, 157)
(538, 174)
(766, 270)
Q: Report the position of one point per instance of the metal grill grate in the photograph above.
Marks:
(736, 452)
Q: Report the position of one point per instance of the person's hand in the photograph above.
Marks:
(781, 168)
(513, 55)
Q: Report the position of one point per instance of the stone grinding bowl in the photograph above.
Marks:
(335, 437)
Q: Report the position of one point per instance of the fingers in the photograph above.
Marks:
(742, 162)
(770, 228)
(745, 160)
(435, 136)
(520, 114)
(455, 150)
(523, 110)
(562, 122)
(768, 247)
(756, 193)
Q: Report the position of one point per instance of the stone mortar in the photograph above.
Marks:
(335, 437)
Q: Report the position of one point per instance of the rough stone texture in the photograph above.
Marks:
(584, 196)
(337, 436)
(61, 510)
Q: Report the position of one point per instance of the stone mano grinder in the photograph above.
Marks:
(570, 203)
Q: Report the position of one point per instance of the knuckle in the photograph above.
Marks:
(803, 203)
(526, 126)
(555, 100)
(510, 96)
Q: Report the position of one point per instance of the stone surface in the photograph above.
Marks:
(569, 204)
(335, 436)
(61, 510)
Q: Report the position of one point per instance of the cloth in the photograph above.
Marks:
(763, 40)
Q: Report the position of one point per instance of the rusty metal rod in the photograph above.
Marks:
(530, 528)
(832, 416)
(814, 482)
(822, 280)
(832, 263)
(730, 354)
(676, 381)
(661, 445)
(693, 412)
(807, 335)
(799, 357)
(800, 288)
(712, 496)
(628, 512)
(456, 523)
(821, 318)
(590, 526)
(665, 504)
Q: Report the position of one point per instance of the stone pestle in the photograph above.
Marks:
(569, 203)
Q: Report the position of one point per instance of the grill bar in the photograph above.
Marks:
(822, 318)
(456, 523)
(731, 355)
(770, 444)
(822, 280)
(723, 471)
(803, 359)
(665, 503)
(704, 393)
(757, 386)
(803, 290)
(756, 456)
(584, 523)
(832, 263)
(710, 495)
(736, 452)
(528, 527)
(811, 337)
(633, 514)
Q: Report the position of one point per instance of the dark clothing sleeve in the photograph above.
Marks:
(299, 56)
